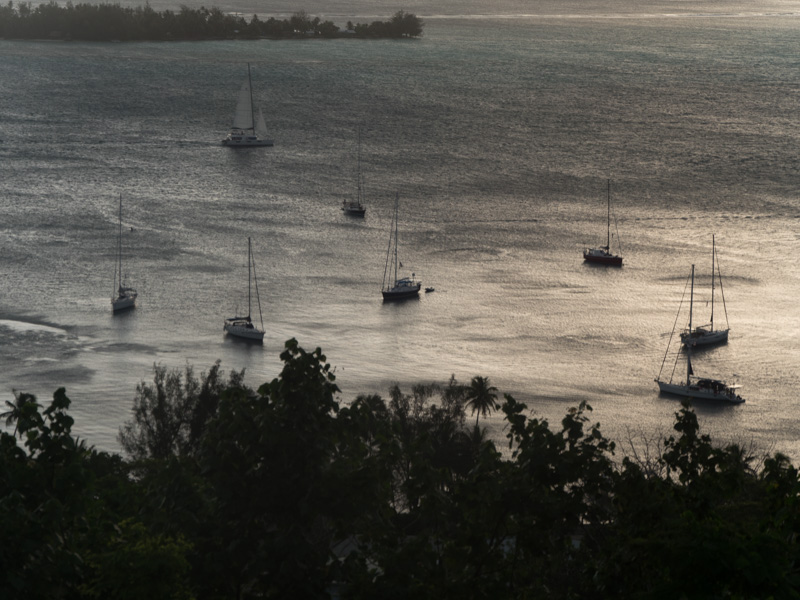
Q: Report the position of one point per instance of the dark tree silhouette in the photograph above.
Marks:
(481, 397)
(105, 22)
(21, 409)
(280, 492)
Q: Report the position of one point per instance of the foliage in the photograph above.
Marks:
(405, 24)
(712, 510)
(481, 397)
(106, 22)
(283, 492)
(59, 502)
(41, 500)
(170, 416)
(269, 458)
(135, 564)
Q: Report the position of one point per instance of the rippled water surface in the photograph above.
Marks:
(498, 133)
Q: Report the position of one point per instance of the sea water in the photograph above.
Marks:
(499, 129)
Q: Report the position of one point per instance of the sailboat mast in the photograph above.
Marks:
(691, 300)
(250, 89)
(713, 253)
(119, 243)
(249, 263)
(688, 347)
(358, 162)
(396, 202)
(608, 236)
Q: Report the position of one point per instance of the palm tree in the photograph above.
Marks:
(481, 397)
(17, 409)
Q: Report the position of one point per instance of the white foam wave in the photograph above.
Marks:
(22, 326)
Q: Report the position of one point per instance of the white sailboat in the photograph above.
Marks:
(698, 387)
(706, 335)
(603, 254)
(246, 130)
(395, 288)
(243, 327)
(354, 207)
(124, 296)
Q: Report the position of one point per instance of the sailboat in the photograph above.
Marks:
(405, 287)
(246, 130)
(243, 327)
(706, 335)
(355, 207)
(698, 387)
(125, 296)
(603, 255)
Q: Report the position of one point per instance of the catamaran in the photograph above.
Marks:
(697, 387)
(243, 327)
(706, 335)
(603, 255)
(125, 296)
(403, 287)
(246, 130)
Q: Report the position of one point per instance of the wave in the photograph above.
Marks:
(24, 326)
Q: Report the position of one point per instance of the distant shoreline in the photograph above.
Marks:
(114, 23)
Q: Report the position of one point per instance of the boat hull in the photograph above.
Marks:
(602, 259)
(401, 292)
(699, 338)
(724, 394)
(122, 303)
(354, 211)
(244, 332)
(246, 142)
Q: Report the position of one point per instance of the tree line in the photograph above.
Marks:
(107, 22)
(284, 492)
